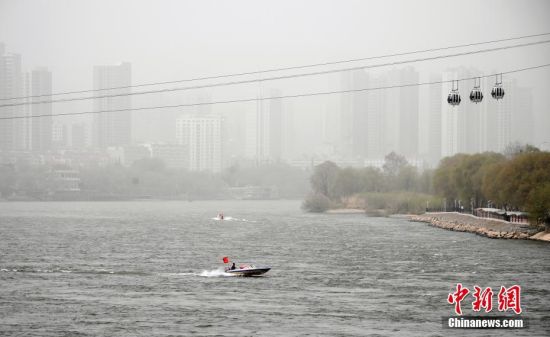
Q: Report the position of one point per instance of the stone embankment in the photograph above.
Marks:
(495, 229)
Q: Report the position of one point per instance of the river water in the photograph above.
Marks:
(151, 269)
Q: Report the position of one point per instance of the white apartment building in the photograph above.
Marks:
(202, 137)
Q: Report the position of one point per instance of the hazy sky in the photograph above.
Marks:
(173, 39)
(168, 40)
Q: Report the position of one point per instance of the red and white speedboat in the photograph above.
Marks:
(248, 269)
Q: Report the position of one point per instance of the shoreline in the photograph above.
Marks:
(490, 228)
(345, 211)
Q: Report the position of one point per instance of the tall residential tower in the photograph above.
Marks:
(112, 128)
(41, 129)
(13, 132)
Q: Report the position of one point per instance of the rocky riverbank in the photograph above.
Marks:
(490, 228)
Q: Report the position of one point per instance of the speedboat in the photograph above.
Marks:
(248, 270)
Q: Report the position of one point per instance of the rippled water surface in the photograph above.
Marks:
(150, 269)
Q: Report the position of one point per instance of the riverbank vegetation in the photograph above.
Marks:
(397, 187)
(518, 180)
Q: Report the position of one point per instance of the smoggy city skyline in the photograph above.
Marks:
(352, 128)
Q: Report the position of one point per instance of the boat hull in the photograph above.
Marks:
(248, 272)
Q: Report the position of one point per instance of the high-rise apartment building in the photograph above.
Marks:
(353, 114)
(430, 127)
(41, 123)
(80, 137)
(523, 122)
(264, 130)
(202, 137)
(58, 136)
(499, 112)
(13, 132)
(407, 137)
(376, 120)
(112, 128)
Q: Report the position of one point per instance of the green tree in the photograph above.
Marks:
(393, 163)
(444, 180)
(467, 177)
(324, 178)
(521, 175)
(470, 173)
(517, 148)
(538, 205)
(407, 179)
(348, 182)
(372, 180)
(425, 182)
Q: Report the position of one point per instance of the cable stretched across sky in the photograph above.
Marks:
(275, 97)
(316, 73)
(283, 68)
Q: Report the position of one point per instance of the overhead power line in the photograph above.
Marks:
(282, 68)
(274, 97)
(322, 72)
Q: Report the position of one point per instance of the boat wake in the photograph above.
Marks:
(100, 271)
(215, 273)
(205, 273)
(229, 218)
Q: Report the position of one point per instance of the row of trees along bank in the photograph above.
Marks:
(519, 180)
(516, 180)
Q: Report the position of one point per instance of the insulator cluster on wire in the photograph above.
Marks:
(476, 95)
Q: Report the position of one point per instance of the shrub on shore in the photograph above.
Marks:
(316, 203)
(398, 203)
(396, 188)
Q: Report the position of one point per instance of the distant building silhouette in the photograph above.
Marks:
(41, 127)
(353, 114)
(263, 130)
(432, 110)
(376, 121)
(172, 155)
(407, 125)
(80, 138)
(201, 136)
(13, 132)
(58, 135)
(523, 122)
(112, 128)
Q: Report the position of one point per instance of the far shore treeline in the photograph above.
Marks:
(149, 178)
(518, 180)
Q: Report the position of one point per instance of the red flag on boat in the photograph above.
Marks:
(225, 259)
